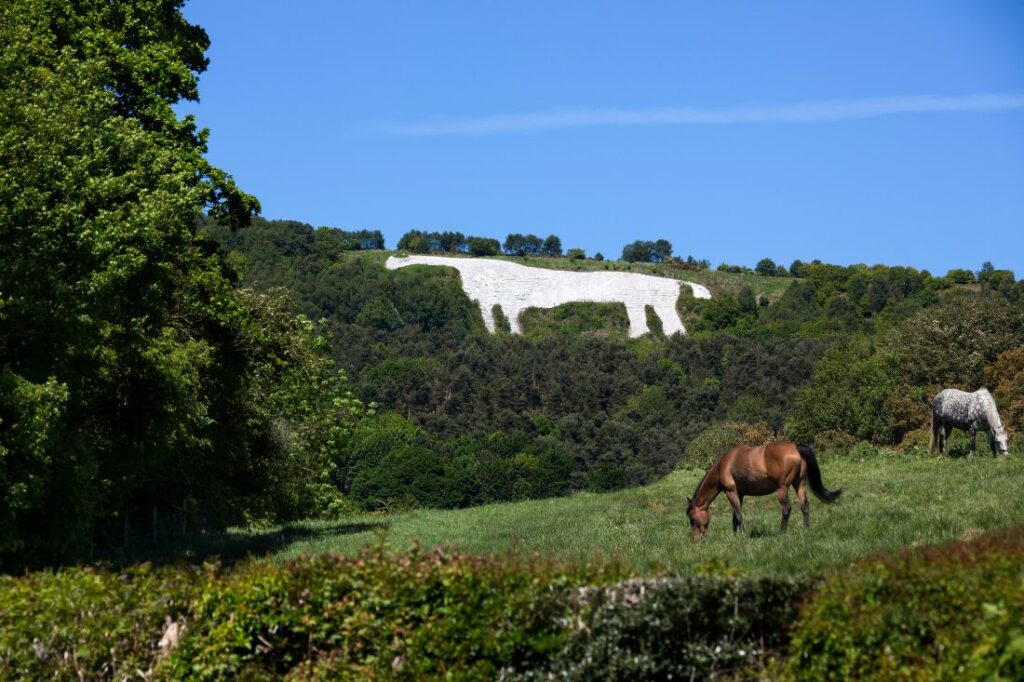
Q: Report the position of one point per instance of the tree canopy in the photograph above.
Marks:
(134, 374)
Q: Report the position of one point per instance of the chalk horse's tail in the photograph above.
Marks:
(814, 476)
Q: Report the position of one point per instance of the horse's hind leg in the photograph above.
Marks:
(783, 495)
(737, 509)
(974, 432)
(805, 505)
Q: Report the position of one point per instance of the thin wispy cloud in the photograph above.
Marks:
(806, 112)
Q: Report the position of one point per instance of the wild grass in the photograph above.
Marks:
(890, 501)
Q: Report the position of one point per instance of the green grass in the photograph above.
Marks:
(890, 501)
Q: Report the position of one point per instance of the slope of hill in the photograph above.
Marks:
(465, 417)
(890, 501)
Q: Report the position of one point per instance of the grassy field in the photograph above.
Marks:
(889, 501)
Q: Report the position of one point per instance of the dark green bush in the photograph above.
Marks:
(717, 439)
(675, 628)
(91, 624)
(946, 612)
(420, 614)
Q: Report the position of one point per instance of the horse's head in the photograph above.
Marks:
(699, 519)
(999, 435)
(395, 262)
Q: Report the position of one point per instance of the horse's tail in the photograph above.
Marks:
(814, 476)
(931, 435)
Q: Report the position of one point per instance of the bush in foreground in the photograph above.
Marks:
(953, 611)
(948, 612)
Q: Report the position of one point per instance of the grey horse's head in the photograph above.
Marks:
(999, 436)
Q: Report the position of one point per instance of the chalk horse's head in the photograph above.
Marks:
(395, 262)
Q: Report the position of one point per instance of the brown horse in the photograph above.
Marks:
(746, 470)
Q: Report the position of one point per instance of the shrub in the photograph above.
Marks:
(674, 628)
(1005, 377)
(93, 624)
(945, 612)
(715, 440)
(418, 614)
(835, 441)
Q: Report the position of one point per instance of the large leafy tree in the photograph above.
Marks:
(130, 368)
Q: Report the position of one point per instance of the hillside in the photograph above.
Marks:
(464, 417)
(890, 501)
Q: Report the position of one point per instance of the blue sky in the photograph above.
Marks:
(874, 132)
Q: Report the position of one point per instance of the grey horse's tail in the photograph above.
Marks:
(931, 435)
(814, 476)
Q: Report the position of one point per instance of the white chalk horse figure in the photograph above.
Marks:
(517, 287)
(972, 412)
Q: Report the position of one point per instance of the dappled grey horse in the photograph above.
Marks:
(972, 412)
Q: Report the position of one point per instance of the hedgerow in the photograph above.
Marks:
(381, 615)
(947, 612)
(84, 623)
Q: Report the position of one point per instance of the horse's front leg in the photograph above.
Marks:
(783, 495)
(737, 509)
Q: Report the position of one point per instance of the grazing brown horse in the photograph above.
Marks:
(747, 470)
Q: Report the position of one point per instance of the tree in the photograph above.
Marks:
(142, 376)
(797, 268)
(765, 267)
(960, 276)
(747, 301)
(482, 246)
(415, 241)
(576, 254)
(662, 251)
(638, 252)
(523, 245)
(552, 246)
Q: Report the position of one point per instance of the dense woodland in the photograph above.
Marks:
(163, 348)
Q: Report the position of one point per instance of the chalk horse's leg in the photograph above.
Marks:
(637, 320)
(670, 322)
(513, 319)
(488, 314)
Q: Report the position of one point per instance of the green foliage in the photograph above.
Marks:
(948, 612)
(32, 422)
(960, 276)
(674, 628)
(135, 374)
(1005, 377)
(84, 623)
(719, 438)
(950, 345)
(647, 251)
(523, 245)
(412, 615)
(482, 246)
(834, 441)
(851, 386)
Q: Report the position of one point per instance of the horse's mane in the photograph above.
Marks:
(991, 412)
(700, 484)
